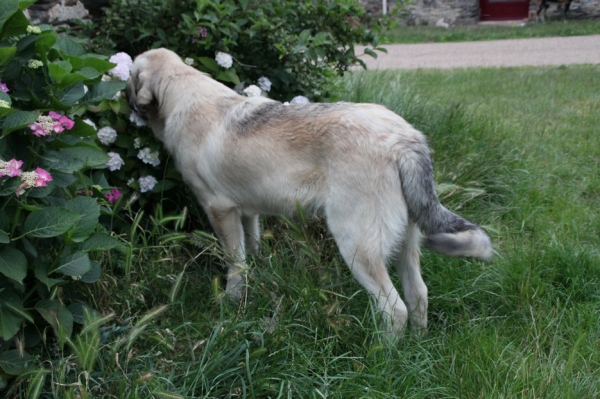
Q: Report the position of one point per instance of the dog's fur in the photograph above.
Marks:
(363, 165)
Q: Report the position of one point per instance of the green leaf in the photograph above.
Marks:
(58, 70)
(68, 46)
(6, 55)
(18, 121)
(41, 273)
(13, 264)
(90, 157)
(103, 91)
(210, 64)
(93, 274)
(50, 222)
(23, 4)
(99, 242)
(80, 76)
(16, 25)
(79, 311)
(74, 265)
(91, 61)
(57, 315)
(72, 94)
(89, 210)
(4, 238)
(229, 76)
(10, 323)
(7, 9)
(82, 129)
(12, 363)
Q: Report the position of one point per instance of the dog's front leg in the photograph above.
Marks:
(227, 223)
(252, 233)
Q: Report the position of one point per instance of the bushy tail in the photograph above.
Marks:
(445, 232)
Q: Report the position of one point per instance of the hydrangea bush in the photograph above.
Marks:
(287, 48)
(54, 192)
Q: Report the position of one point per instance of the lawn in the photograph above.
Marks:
(515, 150)
(427, 34)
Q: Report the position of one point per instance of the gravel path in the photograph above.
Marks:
(495, 53)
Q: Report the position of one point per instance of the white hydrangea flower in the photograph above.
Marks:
(224, 60)
(124, 64)
(130, 181)
(300, 100)
(85, 89)
(135, 118)
(115, 162)
(4, 104)
(252, 91)
(107, 135)
(147, 183)
(286, 103)
(89, 122)
(264, 83)
(148, 157)
(189, 61)
(117, 96)
(137, 143)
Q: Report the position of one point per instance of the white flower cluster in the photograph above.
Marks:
(107, 135)
(4, 104)
(252, 91)
(189, 61)
(298, 100)
(124, 64)
(115, 162)
(147, 183)
(264, 83)
(224, 60)
(148, 157)
(135, 118)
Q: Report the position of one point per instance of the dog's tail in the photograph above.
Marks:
(445, 232)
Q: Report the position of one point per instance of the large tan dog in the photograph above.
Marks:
(364, 166)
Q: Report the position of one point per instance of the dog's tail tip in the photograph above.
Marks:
(474, 243)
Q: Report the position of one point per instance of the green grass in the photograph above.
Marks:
(516, 150)
(427, 34)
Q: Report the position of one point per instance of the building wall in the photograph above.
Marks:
(465, 12)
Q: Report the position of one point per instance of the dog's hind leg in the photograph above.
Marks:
(415, 291)
(360, 242)
(251, 233)
(227, 223)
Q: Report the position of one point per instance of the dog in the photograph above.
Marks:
(362, 165)
(545, 4)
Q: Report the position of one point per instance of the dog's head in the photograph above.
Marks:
(145, 79)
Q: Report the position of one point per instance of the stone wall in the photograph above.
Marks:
(465, 12)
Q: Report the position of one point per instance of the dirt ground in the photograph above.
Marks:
(495, 53)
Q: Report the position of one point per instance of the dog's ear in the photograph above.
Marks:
(143, 88)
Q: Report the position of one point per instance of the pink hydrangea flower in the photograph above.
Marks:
(53, 122)
(113, 195)
(37, 130)
(11, 168)
(43, 177)
(4, 87)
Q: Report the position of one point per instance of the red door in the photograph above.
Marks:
(503, 10)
